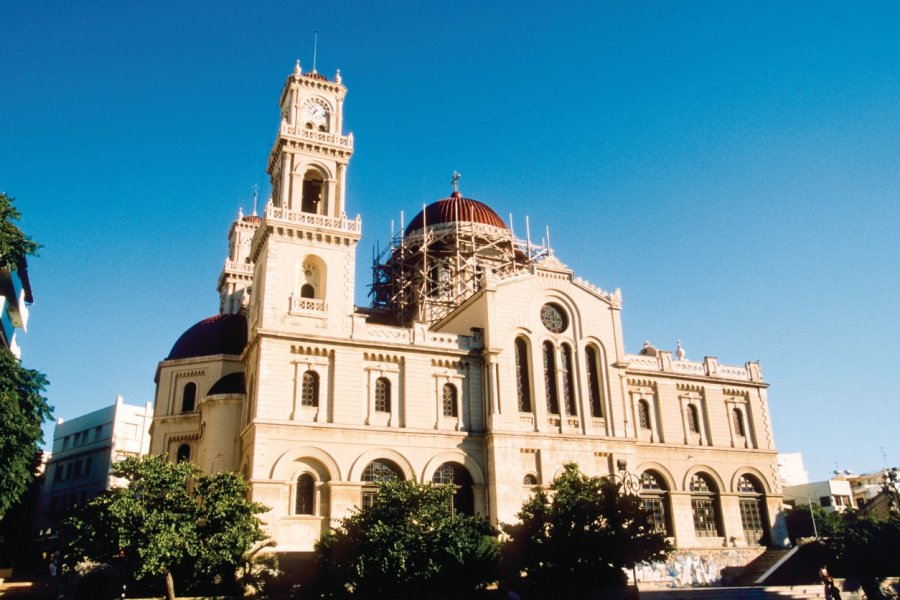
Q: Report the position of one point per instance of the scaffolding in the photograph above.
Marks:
(425, 274)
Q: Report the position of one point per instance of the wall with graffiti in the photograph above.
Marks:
(700, 567)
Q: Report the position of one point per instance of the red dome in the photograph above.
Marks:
(454, 208)
(314, 75)
(221, 334)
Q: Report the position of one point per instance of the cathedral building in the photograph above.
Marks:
(483, 361)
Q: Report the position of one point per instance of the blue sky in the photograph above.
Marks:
(734, 168)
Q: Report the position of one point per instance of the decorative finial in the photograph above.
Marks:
(337, 76)
(455, 181)
(240, 213)
(255, 197)
(297, 69)
(679, 351)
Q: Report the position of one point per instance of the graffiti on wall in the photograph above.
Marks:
(699, 567)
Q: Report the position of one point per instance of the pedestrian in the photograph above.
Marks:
(831, 592)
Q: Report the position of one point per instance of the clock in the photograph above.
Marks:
(315, 112)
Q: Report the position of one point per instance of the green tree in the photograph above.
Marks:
(865, 548)
(22, 411)
(799, 521)
(580, 536)
(14, 244)
(408, 543)
(171, 520)
(22, 407)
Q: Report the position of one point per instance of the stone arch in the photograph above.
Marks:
(554, 295)
(462, 458)
(312, 276)
(709, 472)
(284, 468)
(756, 473)
(661, 470)
(365, 458)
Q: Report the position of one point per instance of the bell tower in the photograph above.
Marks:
(308, 163)
(304, 252)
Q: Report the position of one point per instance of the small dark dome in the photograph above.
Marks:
(648, 349)
(454, 208)
(315, 75)
(233, 383)
(252, 219)
(221, 334)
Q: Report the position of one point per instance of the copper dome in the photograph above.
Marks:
(455, 208)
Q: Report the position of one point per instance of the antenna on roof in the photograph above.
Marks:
(315, 49)
(255, 197)
(549, 248)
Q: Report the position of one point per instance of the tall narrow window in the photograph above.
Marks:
(449, 400)
(655, 500)
(550, 379)
(313, 192)
(189, 397)
(183, 454)
(306, 494)
(568, 380)
(738, 422)
(451, 473)
(523, 387)
(705, 507)
(309, 389)
(693, 419)
(376, 472)
(382, 395)
(643, 414)
(753, 510)
(593, 380)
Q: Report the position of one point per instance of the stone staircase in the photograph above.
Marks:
(755, 569)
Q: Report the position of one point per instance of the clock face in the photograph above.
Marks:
(315, 112)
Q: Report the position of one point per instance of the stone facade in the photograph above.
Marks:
(485, 361)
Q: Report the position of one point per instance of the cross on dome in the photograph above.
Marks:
(455, 181)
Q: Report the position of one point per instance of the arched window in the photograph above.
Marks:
(304, 503)
(568, 380)
(643, 414)
(376, 472)
(311, 277)
(449, 400)
(183, 453)
(382, 395)
(655, 500)
(309, 389)
(705, 506)
(189, 397)
(753, 510)
(693, 419)
(593, 380)
(550, 379)
(529, 480)
(738, 417)
(307, 291)
(313, 192)
(523, 386)
(458, 476)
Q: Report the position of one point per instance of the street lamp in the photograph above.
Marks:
(631, 483)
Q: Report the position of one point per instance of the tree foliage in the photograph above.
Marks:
(408, 543)
(799, 521)
(22, 411)
(14, 244)
(865, 548)
(580, 535)
(171, 521)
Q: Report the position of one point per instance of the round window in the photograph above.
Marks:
(553, 318)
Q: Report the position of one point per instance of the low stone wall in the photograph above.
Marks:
(690, 567)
